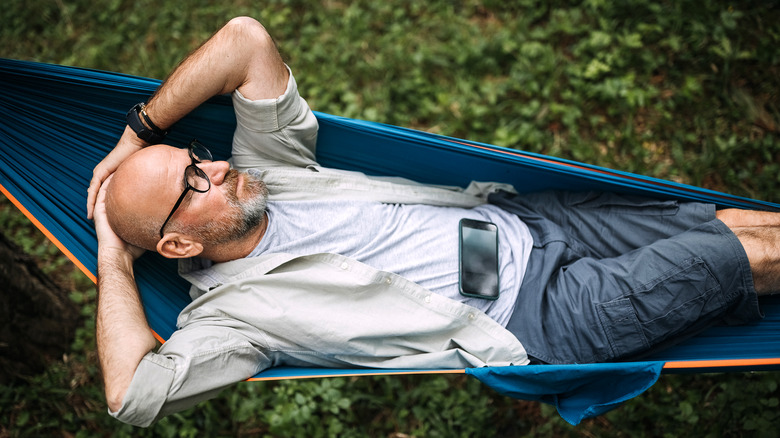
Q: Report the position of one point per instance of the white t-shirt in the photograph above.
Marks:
(418, 242)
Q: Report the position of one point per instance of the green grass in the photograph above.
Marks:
(684, 90)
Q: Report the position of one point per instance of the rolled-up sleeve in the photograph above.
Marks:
(192, 366)
(274, 132)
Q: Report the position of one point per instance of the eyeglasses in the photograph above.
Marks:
(194, 178)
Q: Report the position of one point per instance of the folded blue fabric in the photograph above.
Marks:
(578, 391)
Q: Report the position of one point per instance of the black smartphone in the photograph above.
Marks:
(478, 254)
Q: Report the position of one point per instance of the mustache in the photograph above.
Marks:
(231, 178)
(252, 184)
(230, 181)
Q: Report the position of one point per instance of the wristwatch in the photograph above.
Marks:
(151, 134)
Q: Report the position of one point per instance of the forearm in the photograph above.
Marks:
(241, 56)
(123, 335)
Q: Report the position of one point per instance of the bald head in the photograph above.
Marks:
(224, 222)
(141, 193)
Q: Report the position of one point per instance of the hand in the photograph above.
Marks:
(127, 145)
(108, 240)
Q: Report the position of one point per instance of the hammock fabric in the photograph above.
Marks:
(59, 122)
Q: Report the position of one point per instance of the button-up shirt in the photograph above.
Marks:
(315, 310)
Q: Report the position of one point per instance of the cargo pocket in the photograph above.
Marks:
(680, 300)
(624, 204)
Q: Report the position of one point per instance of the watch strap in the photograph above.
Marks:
(151, 134)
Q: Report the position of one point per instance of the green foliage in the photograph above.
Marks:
(706, 407)
(685, 90)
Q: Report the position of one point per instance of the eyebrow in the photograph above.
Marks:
(190, 162)
(183, 181)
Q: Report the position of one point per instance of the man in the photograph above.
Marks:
(295, 264)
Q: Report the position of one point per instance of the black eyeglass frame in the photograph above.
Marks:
(198, 172)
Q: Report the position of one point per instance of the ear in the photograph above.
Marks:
(177, 246)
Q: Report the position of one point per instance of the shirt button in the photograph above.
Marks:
(427, 298)
(471, 316)
(388, 280)
(344, 265)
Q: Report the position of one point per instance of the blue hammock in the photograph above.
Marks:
(58, 122)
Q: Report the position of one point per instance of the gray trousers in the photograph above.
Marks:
(613, 277)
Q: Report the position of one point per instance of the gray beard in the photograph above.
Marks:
(243, 217)
(252, 216)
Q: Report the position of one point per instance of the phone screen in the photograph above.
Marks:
(478, 259)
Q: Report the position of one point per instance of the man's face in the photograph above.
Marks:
(230, 210)
(237, 216)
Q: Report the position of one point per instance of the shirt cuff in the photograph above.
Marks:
(147, 392)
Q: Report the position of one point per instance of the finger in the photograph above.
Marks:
(101, 192)
(92, 192)
(91, 196)
(99, 180)
(98, 207)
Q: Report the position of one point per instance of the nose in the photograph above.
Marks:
(215, 170)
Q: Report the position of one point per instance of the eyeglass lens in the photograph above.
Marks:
(199, 152)
(197, 179)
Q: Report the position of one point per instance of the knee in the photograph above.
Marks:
(736, 218)
(732, 217)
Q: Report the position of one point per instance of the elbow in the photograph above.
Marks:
(243, 21)
(119, 369)
(250, 33)
(248, 27)
(114, 405)
(114, 398)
